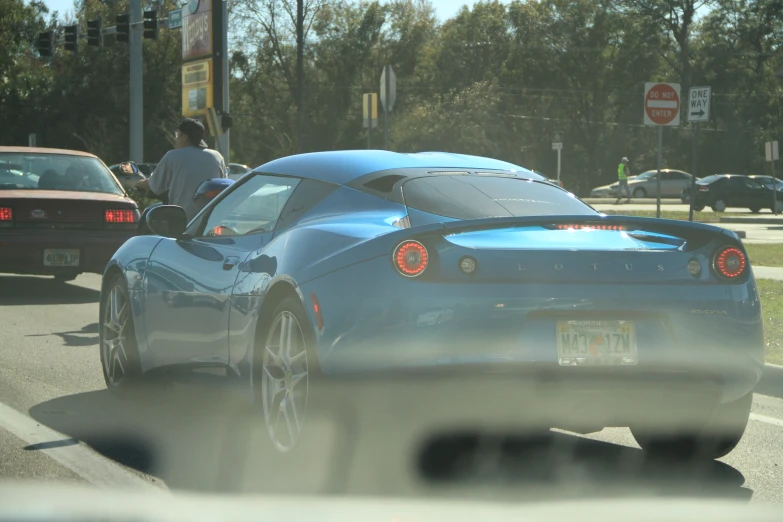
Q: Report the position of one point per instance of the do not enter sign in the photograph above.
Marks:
(662, 104)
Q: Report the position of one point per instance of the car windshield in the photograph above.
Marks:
(55, 172)
(473, 197)
(650, 174)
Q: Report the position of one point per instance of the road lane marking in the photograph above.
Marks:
(82, 460)
(766, 420)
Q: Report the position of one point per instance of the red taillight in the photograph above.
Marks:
(410, 258)
(120, 216)
(6, 214)
(590, 227)
(730, 262)
(702, 188)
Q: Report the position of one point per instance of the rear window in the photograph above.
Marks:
(474, 197)
(55, 172)
(709, 179)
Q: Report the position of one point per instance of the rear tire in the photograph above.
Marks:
(778, 206)
(698, 208)
(118, 349)
(719, 205)
(716, 439)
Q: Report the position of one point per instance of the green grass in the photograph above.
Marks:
(667, 214)
(765, 254)
(771, 293)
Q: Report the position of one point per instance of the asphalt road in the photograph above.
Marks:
(58, 423)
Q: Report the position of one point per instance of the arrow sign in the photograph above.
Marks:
(699, 104)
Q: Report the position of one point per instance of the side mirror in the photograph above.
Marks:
(167, 221)
(210, 188)
(128, 168)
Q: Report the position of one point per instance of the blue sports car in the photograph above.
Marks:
(334, 264)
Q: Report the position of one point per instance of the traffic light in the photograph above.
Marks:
(95, 32)
(123, 28)
(151, 24)
(72, 38)
(45, 44)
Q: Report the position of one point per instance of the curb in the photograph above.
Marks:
(771, 381)
(750, 220)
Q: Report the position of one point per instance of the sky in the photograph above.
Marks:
(444, 8)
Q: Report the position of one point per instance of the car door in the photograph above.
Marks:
(756, 195)
(189, 281)
(679, 181)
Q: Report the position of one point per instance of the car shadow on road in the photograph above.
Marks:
(77, 337)
(43, 291)
(203, 439)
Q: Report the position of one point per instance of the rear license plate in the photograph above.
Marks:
(61, 257)
(596, 343)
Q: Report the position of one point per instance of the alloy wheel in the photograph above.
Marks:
(284, 381)
(116, 318)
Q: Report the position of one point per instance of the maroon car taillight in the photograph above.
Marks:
(119, 216)
(6, 216)
(729, 263)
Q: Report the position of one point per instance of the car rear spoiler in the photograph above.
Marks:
(694, 234)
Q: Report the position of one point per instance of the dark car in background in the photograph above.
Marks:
(721, 191)
(61, 212)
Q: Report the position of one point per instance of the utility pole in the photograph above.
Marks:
(224, 141)
(136, 83)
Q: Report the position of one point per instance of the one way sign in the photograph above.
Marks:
(699, 104)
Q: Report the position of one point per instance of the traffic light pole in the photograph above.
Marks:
(224, 142)
(136, 83)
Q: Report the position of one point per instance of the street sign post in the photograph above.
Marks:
(369, 114)
(388, 95)
(557, 144)
(698, 111)
(31, 140)
(771, 149)
(661, 108)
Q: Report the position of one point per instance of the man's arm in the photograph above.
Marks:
(157, 183)
(143, 184)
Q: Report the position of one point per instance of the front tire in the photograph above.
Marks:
(118, 349)
(716, 439)
(284, 368)
(755, 210)
(639, 193)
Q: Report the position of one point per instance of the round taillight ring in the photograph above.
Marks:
(729, 262)
(410, 258)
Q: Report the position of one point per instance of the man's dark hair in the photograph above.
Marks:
(194, 130)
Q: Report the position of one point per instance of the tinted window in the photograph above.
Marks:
(308, 193)
(472, 197)
(751, 184)
(253, 207)
(56, 172)
(736, 183)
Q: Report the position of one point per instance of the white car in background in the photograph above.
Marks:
(237, 170)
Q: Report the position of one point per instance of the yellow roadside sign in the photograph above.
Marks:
(370, 108)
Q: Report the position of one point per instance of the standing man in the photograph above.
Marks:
(184, 168)
(622, 176)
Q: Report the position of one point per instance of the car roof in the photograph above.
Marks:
(43, 150)
(344, 166)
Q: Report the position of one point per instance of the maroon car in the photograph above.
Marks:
(62, 212)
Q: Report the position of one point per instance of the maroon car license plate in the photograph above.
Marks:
(61, 257)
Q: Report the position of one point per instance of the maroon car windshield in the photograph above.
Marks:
(19, 171)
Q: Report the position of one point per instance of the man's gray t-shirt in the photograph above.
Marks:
(181, 171)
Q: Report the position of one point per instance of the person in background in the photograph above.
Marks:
(184, 168)
(622, 176)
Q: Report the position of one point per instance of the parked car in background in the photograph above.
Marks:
(607, 191)
(645, 185)
(721, 191)
(237, 170)
(61, 212)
